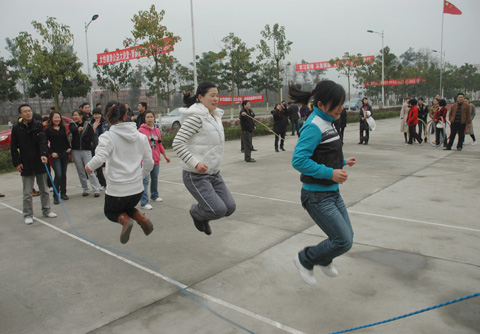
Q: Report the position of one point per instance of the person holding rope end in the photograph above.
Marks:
(123, 149)
(319, 158)
(199, 144)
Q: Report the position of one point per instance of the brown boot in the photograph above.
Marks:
(127, 224)
(144, 222)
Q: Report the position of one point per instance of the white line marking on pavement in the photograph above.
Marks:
(357, 212)
(168, 279)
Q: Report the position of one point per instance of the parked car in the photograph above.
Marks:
(171, 120)
(6, 136)
(354, 103)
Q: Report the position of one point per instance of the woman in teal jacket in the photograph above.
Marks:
(319, 158)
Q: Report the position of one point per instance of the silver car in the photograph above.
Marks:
(171, 120)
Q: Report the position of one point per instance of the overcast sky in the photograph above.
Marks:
(319, 29)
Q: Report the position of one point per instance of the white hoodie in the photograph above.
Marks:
(123, 148)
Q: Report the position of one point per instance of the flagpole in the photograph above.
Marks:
(441, 53)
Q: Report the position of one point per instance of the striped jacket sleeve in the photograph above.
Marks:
(190, 127)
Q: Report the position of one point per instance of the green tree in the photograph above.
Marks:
(8, 81)
(264, 77)
(154, 38)
(135, 85)
(348, 65)
(210, 67)
(53, 66)
(114, 77)
(22, 71)
(277, 51)
(236, 64)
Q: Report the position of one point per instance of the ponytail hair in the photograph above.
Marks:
(115, 112)
(202, 90)
(325, 91)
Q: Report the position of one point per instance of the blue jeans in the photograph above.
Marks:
(153, 185)
(60, 167)
(330, 214)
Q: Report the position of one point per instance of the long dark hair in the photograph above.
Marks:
(80, 113)
(325, 91)
(202, 90)
(115, 112)
(50, 120)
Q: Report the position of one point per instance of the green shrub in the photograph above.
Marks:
(6, 162)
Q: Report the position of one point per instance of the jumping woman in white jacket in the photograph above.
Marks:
(199, 143)
(123, 149)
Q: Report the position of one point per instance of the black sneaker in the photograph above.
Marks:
(56, 200)
(199, 224)
(65, 197)
(208, 230)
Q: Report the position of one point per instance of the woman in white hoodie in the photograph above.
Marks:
(199, 144)
(123, 149)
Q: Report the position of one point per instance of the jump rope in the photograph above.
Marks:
(196, 299)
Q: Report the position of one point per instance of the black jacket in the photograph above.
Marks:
(423, 112)
(247, 124)
(280, 120)
(28, 144)
(293, 112)
(140, 120)
(82, 140)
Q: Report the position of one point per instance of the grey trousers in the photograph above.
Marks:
(81, 158)
(214, 199)
(28, 182)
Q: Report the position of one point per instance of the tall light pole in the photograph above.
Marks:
(193, 47)
(94, 17)
(383, 65)
(442, 58)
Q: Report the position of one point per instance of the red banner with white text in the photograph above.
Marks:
(323, 65)
(396, 82)
(240, 99)
(127, 54)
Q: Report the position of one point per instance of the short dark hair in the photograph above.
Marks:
(97, 111)
(202, 90)
(52, 109)
(413, 102)
(244, 102)
(79, 112)
(23, 105)
(442, 103)
(84, 104)
(420, 98)
(98, 104)
(144, 104)
(326, 91)
(460, 94)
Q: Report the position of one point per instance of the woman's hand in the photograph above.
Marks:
(68, 150)
(201, 167)
(167, 159)
(80, 129)
(351, 161)
(88, 170)
(339, 176)
(54, 155)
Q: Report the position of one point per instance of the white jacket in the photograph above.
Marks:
(200, 139)
(123, 148)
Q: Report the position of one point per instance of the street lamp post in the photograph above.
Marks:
(442, 58)
(94, 17)
(383, 65)
(193, 47)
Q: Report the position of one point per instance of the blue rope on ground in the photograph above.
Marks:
(409, 314)
(153, 266)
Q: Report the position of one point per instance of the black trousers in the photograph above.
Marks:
(364, 128)
(413, 134)
(281, 133)
(460, 129)
(115, 206)
(247, 144)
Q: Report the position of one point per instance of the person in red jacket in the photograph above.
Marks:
(440, 119)
(412, 121)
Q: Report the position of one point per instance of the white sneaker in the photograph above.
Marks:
(147, 207)
(474, 143)
(29, 220)
(158, 199)
(51, 215)
(305, 274)
(329, 270)
(102, 188)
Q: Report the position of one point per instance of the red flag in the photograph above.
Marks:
(449, 8)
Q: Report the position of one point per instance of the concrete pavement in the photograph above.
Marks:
(414, 209)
